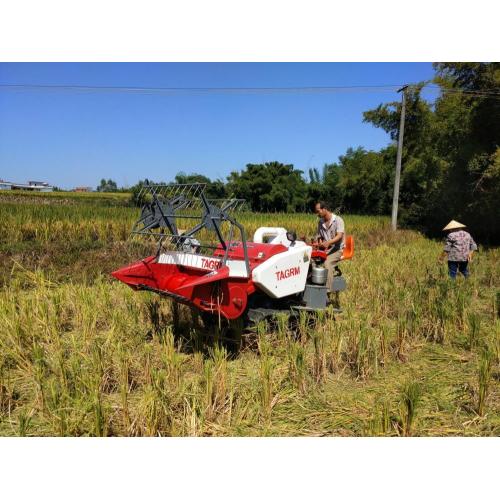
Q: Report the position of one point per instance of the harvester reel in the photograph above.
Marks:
(212, 218)
(153, 215)
(148, 217)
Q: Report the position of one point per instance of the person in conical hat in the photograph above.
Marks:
(459, 247)
(453, 225)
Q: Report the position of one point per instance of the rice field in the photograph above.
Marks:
(412, 354)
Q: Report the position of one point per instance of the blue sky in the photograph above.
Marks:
(75, 139)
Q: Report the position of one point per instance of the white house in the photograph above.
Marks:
(31, 186)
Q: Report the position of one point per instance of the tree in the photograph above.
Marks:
(137, 198)
(470, 139)
(365, 181)
(421, 165)
(269, 187)
(214, 189)
(451, 150)
(324, 186)
(107, 186)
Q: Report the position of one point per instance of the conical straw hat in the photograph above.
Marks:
(453, 225)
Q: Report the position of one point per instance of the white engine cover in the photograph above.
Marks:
(274, 235)
(285, 273)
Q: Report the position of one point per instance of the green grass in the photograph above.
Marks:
(81, 354)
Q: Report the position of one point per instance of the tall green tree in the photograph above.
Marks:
(365, 181)
(269, 187)
(468, 137)
(450, 166)
(420, 163)
(323, 185)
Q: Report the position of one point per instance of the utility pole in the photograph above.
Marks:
(397, 177)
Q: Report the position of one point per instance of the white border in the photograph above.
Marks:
(302, 468)
(260, 30)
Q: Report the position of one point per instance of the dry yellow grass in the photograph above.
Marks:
(412, 353)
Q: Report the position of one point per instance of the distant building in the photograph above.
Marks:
(31, 186)
(38, 183)
(83, 189)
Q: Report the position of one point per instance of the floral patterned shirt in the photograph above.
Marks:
(458, 245)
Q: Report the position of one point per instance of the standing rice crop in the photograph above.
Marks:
(411, 394)
(484, 378)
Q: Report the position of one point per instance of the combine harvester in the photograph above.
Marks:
(210, 266)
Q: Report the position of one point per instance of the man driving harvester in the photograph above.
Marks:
(330, 237)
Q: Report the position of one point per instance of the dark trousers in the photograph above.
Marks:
(454, 266)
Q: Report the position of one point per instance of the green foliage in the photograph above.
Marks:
(136, 198)
(451, 155)
(365, 181)
(420, 163)
(269, 187)
(214, 189)
(107, 186)
(324, 186)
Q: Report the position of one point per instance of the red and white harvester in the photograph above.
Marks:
(210, 265)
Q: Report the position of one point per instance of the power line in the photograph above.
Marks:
(489, 93)
(207, 90)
